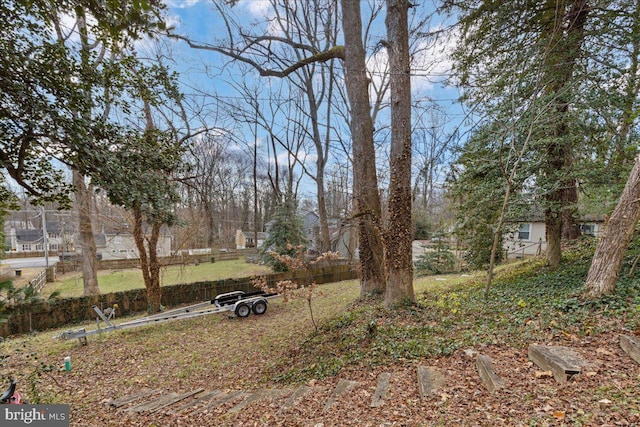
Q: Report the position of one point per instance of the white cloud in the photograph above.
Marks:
(256, 8)
(378, 67)
(182, 4)
(430, 63)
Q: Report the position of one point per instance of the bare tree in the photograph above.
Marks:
(307, 34)
(368, 210)
(399, 236)
(86, 239)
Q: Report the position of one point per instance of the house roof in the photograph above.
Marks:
(309, 220)
(29, 236)
(101, 239)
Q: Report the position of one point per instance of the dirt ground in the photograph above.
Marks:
(191, 355)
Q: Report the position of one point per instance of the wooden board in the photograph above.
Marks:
(563, 362)
(341, 389)
(487, 373)
(176, 399)
(207, 395)
(297, 394)
(631, 346)
(149, 406)
(262, 394)
(122, 401)
(221, 399)
(429, 380)
(382, 388)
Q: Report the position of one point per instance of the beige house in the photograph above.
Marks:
(246, 239)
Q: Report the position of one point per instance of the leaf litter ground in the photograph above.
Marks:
(358, 341)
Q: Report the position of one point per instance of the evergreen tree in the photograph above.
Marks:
(286, 235)
(513, 55)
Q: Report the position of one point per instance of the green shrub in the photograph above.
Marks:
(436, 263)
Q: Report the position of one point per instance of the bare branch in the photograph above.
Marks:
(336, 52)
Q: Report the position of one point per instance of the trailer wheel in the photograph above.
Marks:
(242, 310)
(259, 307)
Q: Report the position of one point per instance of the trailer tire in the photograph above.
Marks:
(242, 310)
(259, 307)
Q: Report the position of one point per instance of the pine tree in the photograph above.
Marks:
(286, 235)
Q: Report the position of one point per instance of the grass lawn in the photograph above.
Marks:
(358, 340)
(70, 284)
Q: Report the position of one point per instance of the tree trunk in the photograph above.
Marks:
(564, 35)
(155, 295)
(368, 210)
(86, 238)
(610, 250)
(325, 242)
(399, 234)
(570, 226)
(553, 230)
(153, 287)
(83, 195)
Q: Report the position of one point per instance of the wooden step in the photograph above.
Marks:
(152, 404)
(262, 394)
(429, 380)
(343, 387)
(487, 373)
(125, 400)
(631, 346)
(563, 362)
(221, 399)
(295, 397)
(176, 399)
(205, 396)
(380, 395)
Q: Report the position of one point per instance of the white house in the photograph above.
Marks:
(30, 239)
(528, 238)
(117, 242)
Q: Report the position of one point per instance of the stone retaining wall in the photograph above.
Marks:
(40, 316)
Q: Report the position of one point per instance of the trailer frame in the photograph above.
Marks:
(239, 303)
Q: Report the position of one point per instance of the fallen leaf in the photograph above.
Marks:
(604, 403)
(604, 351)
(559, 415)
(544, 374)
(469, 352)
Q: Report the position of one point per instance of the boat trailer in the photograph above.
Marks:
(239, 303)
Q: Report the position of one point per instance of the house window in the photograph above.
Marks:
(524, 231)
(588, 229)
(26, 247)
(53, 247)
(39, 247)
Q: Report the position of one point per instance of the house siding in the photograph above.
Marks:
(536, 244)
